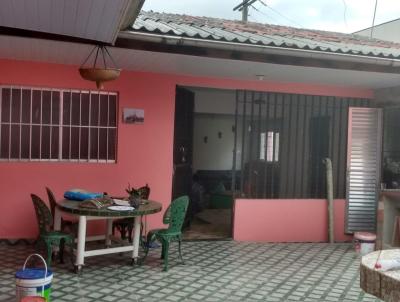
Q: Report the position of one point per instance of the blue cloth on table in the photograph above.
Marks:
(81, 195)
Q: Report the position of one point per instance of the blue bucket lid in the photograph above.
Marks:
(32, 273)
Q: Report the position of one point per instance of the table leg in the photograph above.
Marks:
(136, 238)
(80, 257)
(57, 219)
(108, 232)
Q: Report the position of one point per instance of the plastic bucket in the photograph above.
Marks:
(364, 242)
(33, 281)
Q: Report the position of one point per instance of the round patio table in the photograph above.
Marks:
(382, 284)
(72, 207)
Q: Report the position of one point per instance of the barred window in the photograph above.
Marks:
(269, 141)
(57, 125)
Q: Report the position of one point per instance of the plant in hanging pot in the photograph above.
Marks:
(134, 196)
(96, 73)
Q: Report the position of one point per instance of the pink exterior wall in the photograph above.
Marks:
(144, 151)
(286, 220)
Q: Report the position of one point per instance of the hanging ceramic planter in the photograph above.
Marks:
(97, 73)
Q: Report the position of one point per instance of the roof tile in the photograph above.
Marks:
(215, 29)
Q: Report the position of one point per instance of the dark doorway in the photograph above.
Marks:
(183, 143)
(319, 149)
(202, 160)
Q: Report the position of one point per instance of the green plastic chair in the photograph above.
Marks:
(72, 226)
(125, 225)
(174, 216)
(46, 233)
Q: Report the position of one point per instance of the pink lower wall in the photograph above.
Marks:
(287, 220)
(144, 151)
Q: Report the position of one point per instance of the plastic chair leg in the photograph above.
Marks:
(166, 243)
(130, 231)
(71, 248)
(61, 252)
(49, 252)
(122, 229)
(180, 251)
(147, 247)
(162, 250)
(142, 237)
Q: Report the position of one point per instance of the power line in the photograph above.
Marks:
(344, 13)
(293, 38)
(264, 14)
(280, 14)
(251, 17)
(373, 19)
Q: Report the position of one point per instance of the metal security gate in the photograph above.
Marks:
(363, 168)
(281, 140)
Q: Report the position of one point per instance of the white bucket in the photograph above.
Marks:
(364, 242)
(366, 248)
(33, 281)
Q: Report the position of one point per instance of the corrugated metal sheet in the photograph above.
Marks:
(83, 19)
(263, 34)
(364, 149)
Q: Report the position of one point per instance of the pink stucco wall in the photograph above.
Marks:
(287, 220)
(144, 151)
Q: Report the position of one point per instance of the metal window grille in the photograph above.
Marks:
(41, 124)
(281, 140)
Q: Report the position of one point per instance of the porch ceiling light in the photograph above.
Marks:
(99, 73)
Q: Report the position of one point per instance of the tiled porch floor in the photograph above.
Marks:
(214, 271)
(210, 224)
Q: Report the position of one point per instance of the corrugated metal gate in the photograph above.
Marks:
(363, 168)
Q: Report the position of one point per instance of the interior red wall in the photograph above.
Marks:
(287, 220)
(144, 151)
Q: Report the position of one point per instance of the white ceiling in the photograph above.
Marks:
(72, 53)
(90, 19)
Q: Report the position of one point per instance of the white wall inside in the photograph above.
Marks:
(214, 113)
(216, 153)
(215, 101)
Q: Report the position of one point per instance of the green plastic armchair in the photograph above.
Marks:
(174, 216)
(125, 225)
(72, 226)
(46, 233)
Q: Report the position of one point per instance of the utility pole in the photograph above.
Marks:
(245, 12)
(244, 8)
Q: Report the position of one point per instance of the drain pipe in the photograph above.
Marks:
(329, 193)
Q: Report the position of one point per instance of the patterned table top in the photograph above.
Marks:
(72, 206)
(380, 283)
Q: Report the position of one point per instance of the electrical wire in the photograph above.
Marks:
(265, 15)
(344, 13)
(254, 19)
(277, 22)
(280, 14)
(373, 19)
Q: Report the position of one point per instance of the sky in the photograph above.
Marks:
(332, 15)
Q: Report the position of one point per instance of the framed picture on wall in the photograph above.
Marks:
(133, 116)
